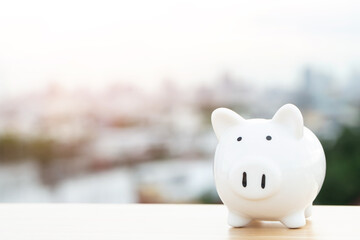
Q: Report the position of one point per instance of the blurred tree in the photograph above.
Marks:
(11, 147)
(342, 181)
(42, 149)
(209, 197)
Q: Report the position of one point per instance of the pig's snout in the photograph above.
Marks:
(255, 180)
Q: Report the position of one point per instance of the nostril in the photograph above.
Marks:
(263, 181)
(244, 180)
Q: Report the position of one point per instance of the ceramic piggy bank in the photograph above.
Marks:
(267, 169)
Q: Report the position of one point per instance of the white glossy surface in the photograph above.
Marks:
(283, 174)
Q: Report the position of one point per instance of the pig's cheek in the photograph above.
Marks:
(226, 160)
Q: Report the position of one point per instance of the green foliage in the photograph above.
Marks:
(342, 181)
(42, 149)
(11, 147)
(14, 148)
(209, 197)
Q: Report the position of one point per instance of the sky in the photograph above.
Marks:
(93, 44)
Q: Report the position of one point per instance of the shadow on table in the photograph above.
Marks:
(257, 229)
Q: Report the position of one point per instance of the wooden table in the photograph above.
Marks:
(138, 221)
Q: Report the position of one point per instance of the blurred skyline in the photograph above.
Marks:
(126, 145)
(78, 44)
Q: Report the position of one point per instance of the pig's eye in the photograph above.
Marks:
(239, 139)
(268, 137)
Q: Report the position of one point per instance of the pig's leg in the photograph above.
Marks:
(308, 211)
(295, 220)
(235, 220)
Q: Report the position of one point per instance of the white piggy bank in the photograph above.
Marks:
(267, 169)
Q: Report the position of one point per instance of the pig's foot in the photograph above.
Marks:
(235, 220)
(295, 220)
(308, 211)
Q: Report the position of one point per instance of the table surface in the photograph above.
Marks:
(162, 221)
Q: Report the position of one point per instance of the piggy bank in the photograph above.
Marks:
(267, 169)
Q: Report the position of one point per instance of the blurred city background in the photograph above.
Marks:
(110, 101)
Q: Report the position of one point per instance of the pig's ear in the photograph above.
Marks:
(223, 118)
(290, 117)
